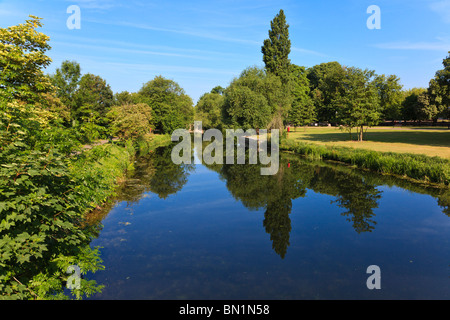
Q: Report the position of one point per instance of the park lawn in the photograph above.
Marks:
(418, 140)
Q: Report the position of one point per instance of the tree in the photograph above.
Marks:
(25, 91)
(255, 100)
(411, 105)
(186, 110)
(325, 81)
(125, 97)
(172, 107)
(41, 208)
(95, 95)
(390, 94)
(217, 89)
(130, 120)
(439, 90)
(66, 80)
(22, 58)
(358, 104)
(277, 47)
(209, 110)
(426, 110)
(302, 110)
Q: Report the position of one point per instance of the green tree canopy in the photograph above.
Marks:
(411, 105)
(218, 89)
(325, 83)
(66, 80)
(172, 107)
(277, 47)
(41, 208)
(254, 99)
(439, 90)
(390, 93)
(209, 110)
(93, 96)
(125, 97)
(358, 103)
(302, 110)
(426, 110)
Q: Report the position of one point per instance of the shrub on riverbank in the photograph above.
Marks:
(44, 196)
(418, 167)
(40, 215)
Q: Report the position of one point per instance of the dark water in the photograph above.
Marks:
(308, 232)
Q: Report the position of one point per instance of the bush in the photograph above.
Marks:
(131, 121)
(40, 220)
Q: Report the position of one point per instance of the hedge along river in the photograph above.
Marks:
(314, 230)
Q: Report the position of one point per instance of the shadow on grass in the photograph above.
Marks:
(429, 138)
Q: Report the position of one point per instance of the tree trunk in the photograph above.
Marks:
(361, 130)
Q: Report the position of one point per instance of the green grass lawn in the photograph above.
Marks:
(418, 140)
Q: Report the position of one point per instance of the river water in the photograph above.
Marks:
(309, 232)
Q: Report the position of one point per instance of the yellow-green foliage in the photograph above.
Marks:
(131, 120)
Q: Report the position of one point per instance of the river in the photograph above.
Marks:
(312, 231)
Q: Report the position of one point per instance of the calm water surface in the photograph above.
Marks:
(308, 232)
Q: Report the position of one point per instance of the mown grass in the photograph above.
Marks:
(414, 166)
(415, 140)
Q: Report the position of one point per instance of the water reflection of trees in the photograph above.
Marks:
(355, 191)
(154, 172)
(357, 196)
(275, 194)
(166, 177)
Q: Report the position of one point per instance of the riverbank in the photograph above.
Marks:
(101, 169)
(425, 169)
(44, 202)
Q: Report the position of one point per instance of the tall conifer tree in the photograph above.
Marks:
(276, 49)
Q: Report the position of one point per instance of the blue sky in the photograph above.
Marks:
(201, 44)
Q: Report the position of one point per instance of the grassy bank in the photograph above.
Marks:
(414, 166)
(100, 170)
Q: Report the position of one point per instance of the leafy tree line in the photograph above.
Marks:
(45, 191)
(94, 111)
(282, 93)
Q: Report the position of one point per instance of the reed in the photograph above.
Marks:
(414, 166)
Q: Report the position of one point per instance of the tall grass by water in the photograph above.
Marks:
(414, 166)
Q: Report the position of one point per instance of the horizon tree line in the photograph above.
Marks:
(282, 93)
(277, 95)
